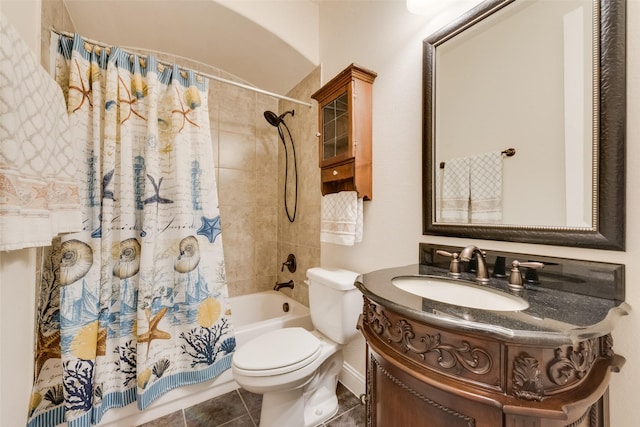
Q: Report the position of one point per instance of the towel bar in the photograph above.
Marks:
(509, 152)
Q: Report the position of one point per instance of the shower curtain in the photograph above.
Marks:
(136, 303)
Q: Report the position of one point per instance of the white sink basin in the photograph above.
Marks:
(456, 292)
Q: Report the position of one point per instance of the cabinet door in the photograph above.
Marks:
(336, 126)
(396, 399)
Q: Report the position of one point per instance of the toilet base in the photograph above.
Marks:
(306, 406)
(284, 408)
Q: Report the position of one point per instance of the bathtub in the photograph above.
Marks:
(252, 315)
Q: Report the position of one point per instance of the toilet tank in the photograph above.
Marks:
(334, 302)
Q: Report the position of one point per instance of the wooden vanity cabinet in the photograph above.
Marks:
(344, 121)
(397, 397)
(421, 375)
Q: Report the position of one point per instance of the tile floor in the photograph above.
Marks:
(241, 408)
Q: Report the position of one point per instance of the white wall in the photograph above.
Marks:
(384, 37)
(17, 311)
(301, 33)
(24, 15)
(17, 274)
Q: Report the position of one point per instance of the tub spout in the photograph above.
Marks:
(288, 284)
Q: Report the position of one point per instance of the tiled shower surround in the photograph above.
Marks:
(249, 160)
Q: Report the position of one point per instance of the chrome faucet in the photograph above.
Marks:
(482, 275)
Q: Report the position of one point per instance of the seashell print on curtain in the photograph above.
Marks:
(135, 304)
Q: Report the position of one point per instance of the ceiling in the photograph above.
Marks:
(202, 30)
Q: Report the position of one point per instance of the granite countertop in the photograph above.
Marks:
(554, 317)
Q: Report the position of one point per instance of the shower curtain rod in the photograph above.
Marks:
(209, 76)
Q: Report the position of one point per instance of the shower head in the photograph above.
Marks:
(274, 119)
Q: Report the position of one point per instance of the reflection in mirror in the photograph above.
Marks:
(530, 88)
(529, 75)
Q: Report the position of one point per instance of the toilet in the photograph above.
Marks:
(296, 370)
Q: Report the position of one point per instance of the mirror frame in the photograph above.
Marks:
(610, 202)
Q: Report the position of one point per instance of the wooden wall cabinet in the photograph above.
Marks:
(344, 120)
(419, 374)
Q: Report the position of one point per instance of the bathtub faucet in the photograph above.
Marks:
(288, 284)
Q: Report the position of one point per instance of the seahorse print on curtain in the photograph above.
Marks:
(136, 304)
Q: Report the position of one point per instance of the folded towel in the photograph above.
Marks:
(486, 188)
(38, 188)
(342, 218)
(359, 221)
(454, 192)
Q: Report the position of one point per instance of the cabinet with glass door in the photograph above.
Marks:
(345, 105)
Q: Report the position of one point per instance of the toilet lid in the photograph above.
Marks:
(277, 349)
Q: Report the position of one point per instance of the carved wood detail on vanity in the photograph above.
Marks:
(570, 365)
(443, 352)
(555, 370)
(466, 377)
(589, 419)
(526, 378)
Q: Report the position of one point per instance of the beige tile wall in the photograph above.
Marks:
(302, 237)
(249, 164)
(247, 184)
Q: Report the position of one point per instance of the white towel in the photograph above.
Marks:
(342, 218)
(486, 188)
(38, 188)
(454, 192)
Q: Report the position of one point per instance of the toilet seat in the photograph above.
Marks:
(277, 352)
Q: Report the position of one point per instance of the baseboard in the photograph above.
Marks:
(352, 379)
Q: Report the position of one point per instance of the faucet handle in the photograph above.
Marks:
(515, 278)
(454, 266)
(290, 263)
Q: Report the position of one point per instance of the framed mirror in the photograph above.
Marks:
(524, 124)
